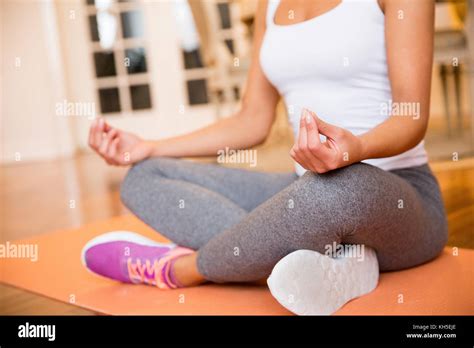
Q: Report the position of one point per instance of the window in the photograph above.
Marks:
(197, 91)
(104, 63)
(196, 73)
(136, 60)
(140, 97)
(224, 15)
(132, 24)
(109, 100)
(119, 52)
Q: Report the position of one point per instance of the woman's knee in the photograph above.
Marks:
(342, 191)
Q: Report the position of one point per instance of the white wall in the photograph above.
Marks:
(32, 83)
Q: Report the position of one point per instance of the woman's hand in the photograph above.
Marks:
(117, 147)
(340, 149)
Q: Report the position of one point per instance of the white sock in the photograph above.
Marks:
(308, 283)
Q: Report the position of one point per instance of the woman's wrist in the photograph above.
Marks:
(364, 147)
(155, 148)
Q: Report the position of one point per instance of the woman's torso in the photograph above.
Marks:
(335, 65)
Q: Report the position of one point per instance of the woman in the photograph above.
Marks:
(355, 76)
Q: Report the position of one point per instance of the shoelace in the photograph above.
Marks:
(156, 273)
(147, 272)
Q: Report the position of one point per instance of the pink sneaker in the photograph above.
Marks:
(131, 258)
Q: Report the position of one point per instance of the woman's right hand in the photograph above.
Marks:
(117, 147)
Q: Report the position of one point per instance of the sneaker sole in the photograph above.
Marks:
(308, 283)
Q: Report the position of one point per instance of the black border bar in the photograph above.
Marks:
(195, 330)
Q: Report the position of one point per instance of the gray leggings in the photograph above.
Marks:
(243, 222)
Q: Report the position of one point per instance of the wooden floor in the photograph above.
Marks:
(40, 197)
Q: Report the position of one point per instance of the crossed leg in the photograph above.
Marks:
(242, 223)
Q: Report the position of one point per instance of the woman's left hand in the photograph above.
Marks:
(340, 149)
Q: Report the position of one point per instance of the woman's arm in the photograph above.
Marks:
(248, 127)
(409, 32)
(409, 27)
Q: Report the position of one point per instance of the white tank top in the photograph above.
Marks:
(335, 65)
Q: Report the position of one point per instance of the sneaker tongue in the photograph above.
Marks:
(172, 276)
(167, 275)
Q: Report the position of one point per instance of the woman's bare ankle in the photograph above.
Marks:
(185, 271)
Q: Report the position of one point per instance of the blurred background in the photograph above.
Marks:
(161, 68)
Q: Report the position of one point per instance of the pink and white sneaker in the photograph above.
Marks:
(131, 258)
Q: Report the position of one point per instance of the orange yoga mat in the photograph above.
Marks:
(443, 286)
